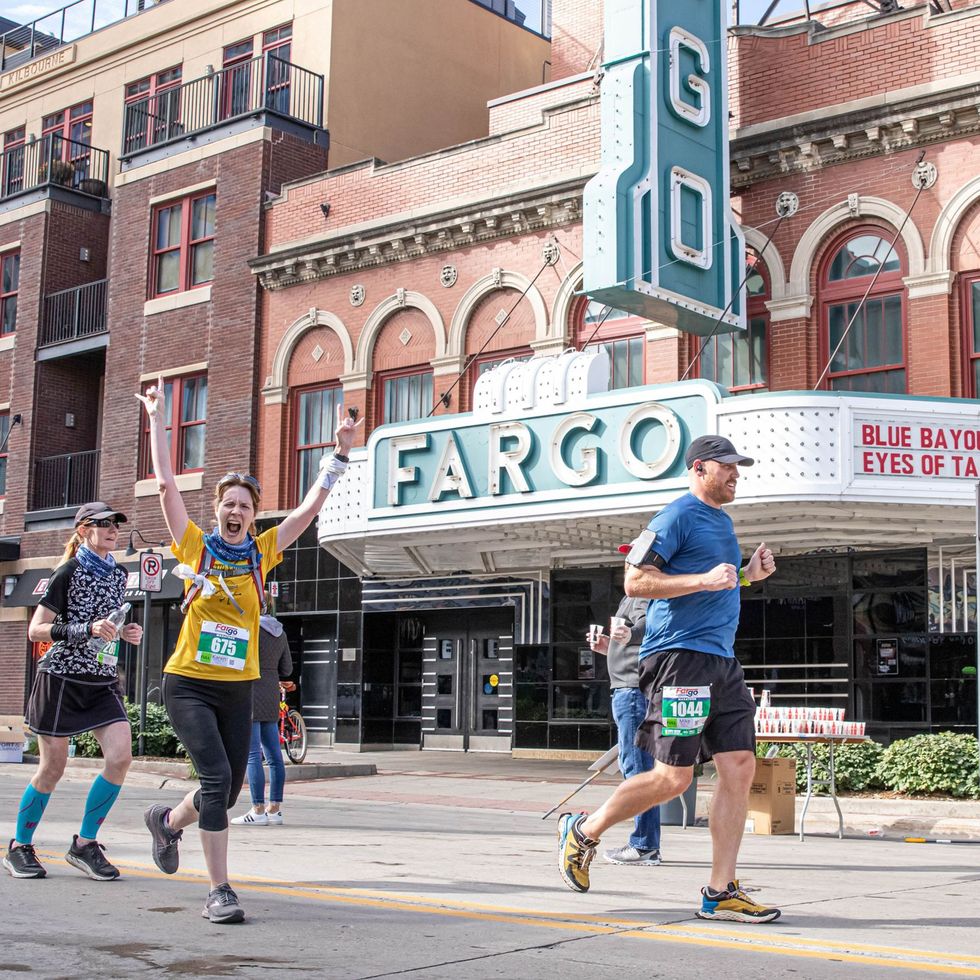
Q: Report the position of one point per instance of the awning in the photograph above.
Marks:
(32, 583)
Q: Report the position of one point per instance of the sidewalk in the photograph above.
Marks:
(465, 779)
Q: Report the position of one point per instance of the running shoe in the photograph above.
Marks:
(222, 906)
(252, 819)
(91, 860)
(575, 851)
(165, 840)
(632, 855)
(734, 905)
(275, 819)
(22, 862)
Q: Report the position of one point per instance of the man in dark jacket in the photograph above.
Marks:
(622, 648)
(275, 662)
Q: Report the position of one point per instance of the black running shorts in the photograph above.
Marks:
(697, 706)
(64, 706)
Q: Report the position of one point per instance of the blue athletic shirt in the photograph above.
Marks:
(693, 537)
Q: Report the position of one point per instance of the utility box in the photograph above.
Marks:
(772, 798)
(11, 738)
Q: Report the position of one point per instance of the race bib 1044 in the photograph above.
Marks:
(685, 710)
(222, 645)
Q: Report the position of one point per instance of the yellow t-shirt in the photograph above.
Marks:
(216, 641)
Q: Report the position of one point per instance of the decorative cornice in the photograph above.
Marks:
(930, 284)
(530, 211)
(789, 308)
(828, 137)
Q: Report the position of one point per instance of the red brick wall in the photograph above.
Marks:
(13, 660)
(784, 75)
(576, 36)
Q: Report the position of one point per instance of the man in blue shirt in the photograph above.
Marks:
(698, 704)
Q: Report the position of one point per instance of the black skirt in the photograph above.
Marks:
(63, 706)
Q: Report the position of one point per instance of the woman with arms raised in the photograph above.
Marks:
(207, 687)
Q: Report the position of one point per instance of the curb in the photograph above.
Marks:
(182, 770)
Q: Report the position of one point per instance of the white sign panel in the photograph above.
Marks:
(944, 449)
(151, 572)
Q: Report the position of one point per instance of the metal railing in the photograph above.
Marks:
(74, 313)
(66, 480)
(54, 159)
(70, 23)
(266, 83)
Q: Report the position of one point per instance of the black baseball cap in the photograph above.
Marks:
(715, 447)
(98, 510)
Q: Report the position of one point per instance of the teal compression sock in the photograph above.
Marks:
(32, 805)
(100, 799)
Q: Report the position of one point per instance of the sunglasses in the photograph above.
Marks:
(103, 522)
(241, 478)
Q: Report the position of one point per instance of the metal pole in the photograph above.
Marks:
(977, 614)
(144, 671)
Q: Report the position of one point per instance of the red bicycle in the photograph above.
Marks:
(292, 730)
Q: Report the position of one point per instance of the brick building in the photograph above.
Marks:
(458, 614)
(137, 157)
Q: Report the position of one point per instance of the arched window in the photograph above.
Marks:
(971, 316)
(739, 361)
(315, 419)
(872, 355)
(621, 334)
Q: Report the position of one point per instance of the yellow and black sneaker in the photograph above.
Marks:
(734, 905)
(575, 852)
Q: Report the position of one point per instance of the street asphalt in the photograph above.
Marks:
(440, 866)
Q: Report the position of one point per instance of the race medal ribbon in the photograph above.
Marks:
(222, 645)
(108, 656)
(685, 710)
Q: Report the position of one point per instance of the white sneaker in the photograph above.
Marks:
(275, 819)
(253, 819)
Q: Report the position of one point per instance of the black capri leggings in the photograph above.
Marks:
(213, 720)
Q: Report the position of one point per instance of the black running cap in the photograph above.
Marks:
(98, 510)
(715, 447)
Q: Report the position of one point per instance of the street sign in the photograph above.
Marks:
(660, 239)
(151, 572)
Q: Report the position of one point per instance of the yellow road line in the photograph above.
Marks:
(895, 957)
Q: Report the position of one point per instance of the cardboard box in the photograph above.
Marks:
(11, 738)
(772, 798)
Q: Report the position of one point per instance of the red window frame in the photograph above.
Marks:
(387, 376)
(970, 334)
(9, 296)
(336, 394)
(174, 417)
(184, 246)
(75, 124)
(236, 78)
(756, 313)
(848, 291)
(13, 162)
(157, 127)
(277, 44)
(4, 433)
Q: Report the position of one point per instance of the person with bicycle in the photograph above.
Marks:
(207, 684)
(275, 665)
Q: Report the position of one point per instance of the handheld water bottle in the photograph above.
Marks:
(117, 617)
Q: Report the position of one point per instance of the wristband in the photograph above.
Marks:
(78, 632)
(332, 468)
(743, 579)
(341, 457)
(59, 631)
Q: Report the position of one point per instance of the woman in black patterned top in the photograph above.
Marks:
(76, 689)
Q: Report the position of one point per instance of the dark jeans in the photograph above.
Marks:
(265, 736)
(213, 720)
(629, 709)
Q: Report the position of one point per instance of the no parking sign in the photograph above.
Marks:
(151, 572)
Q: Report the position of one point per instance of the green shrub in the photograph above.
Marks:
(159, 738)
(938, 763)
(855, 766)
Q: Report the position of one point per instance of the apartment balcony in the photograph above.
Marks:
(68, 24)
(64, 481)
(52, 164)
(235, 98)
(73, 321)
